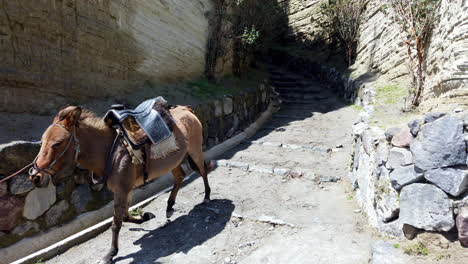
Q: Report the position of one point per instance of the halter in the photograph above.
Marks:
(34, 170)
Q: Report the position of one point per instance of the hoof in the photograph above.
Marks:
(169, 213)
(148, 216)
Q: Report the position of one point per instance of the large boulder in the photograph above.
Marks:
(426, 207)
(439, 144)
(38, 201)
(462, 226)
(10, 212)
(399, 157)
(431, 117)
(26, 228)
(405, 175)
(17, 154)
(453, 181)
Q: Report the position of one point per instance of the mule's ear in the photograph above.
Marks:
(69, 116)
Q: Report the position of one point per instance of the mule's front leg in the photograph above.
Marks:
(120, 206)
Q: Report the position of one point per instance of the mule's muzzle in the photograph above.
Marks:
(38, 178)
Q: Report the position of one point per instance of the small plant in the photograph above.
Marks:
(136, 212)
(440, 257)
(357, 107)
(250, 36)
(350, 197)
(417, 249)
(396, 245)
(341, 20)
(39, 261)
(417, 19)
(390, 94)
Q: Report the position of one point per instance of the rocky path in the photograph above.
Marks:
(276, 198)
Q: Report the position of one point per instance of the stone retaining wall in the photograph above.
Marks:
(26, 211)
(415, 177)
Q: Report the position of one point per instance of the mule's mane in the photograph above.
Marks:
(89, 118)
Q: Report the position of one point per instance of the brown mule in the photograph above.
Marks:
(80, 137)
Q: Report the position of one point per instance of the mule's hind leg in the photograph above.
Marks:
(198, 164)
(179, 175)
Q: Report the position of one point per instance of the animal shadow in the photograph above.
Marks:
(203, 222)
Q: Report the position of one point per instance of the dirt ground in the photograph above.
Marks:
(260, 211)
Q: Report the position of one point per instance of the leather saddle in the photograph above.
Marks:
(141, 125)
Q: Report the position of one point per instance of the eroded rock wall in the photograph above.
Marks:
(58, 52)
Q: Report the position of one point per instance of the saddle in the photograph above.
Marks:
(144, 124)
(146, 133)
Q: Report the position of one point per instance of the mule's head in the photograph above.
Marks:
(59, 148)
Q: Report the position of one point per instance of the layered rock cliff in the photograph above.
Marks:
(58, 52)
(381, 51)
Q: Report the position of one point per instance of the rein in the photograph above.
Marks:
(34, 169)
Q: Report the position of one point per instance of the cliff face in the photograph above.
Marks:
(381, 51)
(58, 52)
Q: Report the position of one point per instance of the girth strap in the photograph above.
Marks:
(110, 157)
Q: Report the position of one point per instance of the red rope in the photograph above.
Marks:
(16, 173)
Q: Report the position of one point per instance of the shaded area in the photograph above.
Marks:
(203, 222)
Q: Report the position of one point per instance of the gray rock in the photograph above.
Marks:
(393, 228)
(426, 207)
(453, 181)
(20, 184)
(386, 253)
(398, 157)
(367, 142)
(357, 153)
(403, 138)
(38, 201)
(382, 152)
(281, 171)
(359, 129)
(382, 172)
(227, 105)
(15, 155)
(218, 107)
(391, 132)
(415, 125)
(10, 212)
(80, 198)
(54, 214)
(26, 228)
(65, 188)
(440, 144)
(405, 175)
(239, 165)
(462, 226)
(431, 117)
(387, 204)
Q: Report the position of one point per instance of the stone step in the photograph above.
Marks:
(303, 90)
(283, 78)
(303, 97)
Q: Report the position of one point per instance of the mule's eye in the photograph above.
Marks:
(56, 145)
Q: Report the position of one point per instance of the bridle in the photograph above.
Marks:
(34, 170)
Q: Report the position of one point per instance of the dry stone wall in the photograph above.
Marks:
(26, 211)
(413, 178)
(380, 50)
(59, 52)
